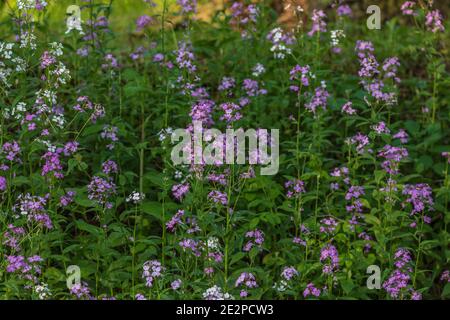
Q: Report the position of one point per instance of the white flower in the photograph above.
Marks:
(258, 70)
(56, 49)
(6, 50)
(215, 293)
(335, 36)
(27, 39)
(59, 120)
(213, 243)
(178, 175)
(42, 291)
(280, 286)
(74, 23)
(25, 4)
(135, 197)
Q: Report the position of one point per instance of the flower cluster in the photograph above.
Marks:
(256, 239)
(151, 270)
(397, 285)
(248, 281)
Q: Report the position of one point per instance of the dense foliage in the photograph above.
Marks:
(87, 180)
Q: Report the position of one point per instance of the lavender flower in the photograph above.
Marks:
(187, 6)
(344, 10)
(319, 25)
(142, 22)
(319, 99)
(81, 291)
(329, 256)
(175, 285)
(347, 108)
(294, 188)
(433, 21)
(256, 239)
(3, 183)
(218, 197)
(180, 190)
(300, 75)
(101, 190)
(246, 280)
(419, 196)
(408, 8)
(288, 273)
(175, 221)
(151, 270)
(311, 290)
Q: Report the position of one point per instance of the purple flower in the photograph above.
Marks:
(185, 58)
(446, 155)
(319, 25)
(218, 197)
(142, 22)
(246, 279)
(176, 284)
(402, 135)
(139, 296)
(33, 207)
(12, 237)
(328, 225)
(202, 111)
(67, 199)
(344, 10)
(110, 133)
(151, 270)
(70, 148)
(294, 188)
(408, 8)
(434, 21)
(227, 83)
(361, 142)
(192, 245)
(175, 221)
(110, 62)
(109, 167)
(347, 108)
(319, 99)
(256, 239)
(180, 190)
(300, 76)
(187, 6)
(26, 268)
(11, 149)
(52, 165)
(231, 112)
(445, 276)
(311, 290)
(288, 273)
(101, 190)
(251, 88)
(380, 128)
(81, 291)
(3, 183)
(397, 281)
(329, 256)
(354, 192)
(47, 59)
(420, 196)
(244, 17)
(393, 156)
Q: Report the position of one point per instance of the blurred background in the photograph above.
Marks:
(125, 12)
